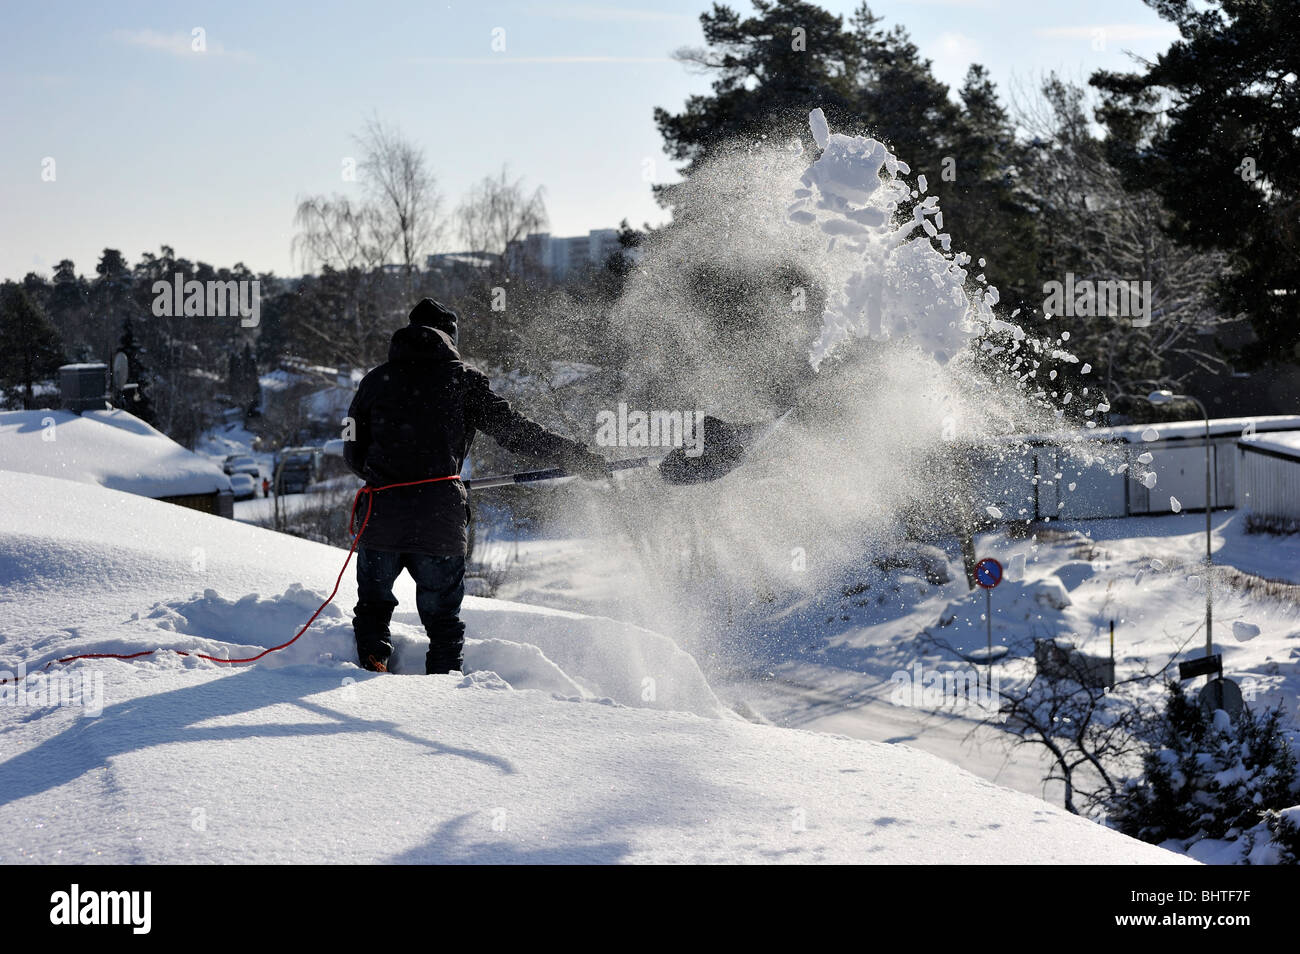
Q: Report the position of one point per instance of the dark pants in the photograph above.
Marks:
(439, 589)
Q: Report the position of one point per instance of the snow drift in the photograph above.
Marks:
(310, 759)
(94, 571)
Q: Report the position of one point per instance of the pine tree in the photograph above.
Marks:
(30, 349)
(984, 201)
(1211, 125)
(137, 402)
(771, 69)
(69, 309)
(1206, 777)
(242, 377)
(896, 98)
(110, 301)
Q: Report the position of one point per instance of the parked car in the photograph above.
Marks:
(240, 464)
(243, 485)
(298, 467)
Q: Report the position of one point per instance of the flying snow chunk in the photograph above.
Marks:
(849, 169)
(893, 285)
(1149, 479)
(841, 227)
(1174, 505)
(994, 512)
(821, 130)
(1244, 631)
(1150, 434)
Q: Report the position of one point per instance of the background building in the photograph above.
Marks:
(558, 258)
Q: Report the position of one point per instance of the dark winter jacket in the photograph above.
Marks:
(414, 417)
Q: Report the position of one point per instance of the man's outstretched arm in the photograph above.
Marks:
(493, 415)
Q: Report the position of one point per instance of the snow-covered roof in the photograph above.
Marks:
(1176, 430)
(328, 404)
(280, 380)
(473, 259)
(1286, 443)
(110, 448)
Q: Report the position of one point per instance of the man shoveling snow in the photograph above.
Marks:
(414, 419)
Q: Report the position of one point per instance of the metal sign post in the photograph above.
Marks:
(988, 574)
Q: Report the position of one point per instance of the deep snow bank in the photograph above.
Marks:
(310, 759)
(296, 765)
(84, 569)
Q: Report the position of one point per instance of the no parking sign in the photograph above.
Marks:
(988, 574)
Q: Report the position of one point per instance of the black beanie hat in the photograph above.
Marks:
(431, 314)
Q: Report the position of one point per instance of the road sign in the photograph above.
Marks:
(988, 573)
(1201, 666)
(1222, 694)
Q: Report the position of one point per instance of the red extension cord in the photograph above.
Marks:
(265, 652)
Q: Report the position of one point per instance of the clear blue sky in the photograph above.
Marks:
(156, 144)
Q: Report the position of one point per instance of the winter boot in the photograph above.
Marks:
(443, 658)
(370, 626)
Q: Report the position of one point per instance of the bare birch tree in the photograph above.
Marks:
(403, 189)
(350, 242)
(497, 212)
(338, 233)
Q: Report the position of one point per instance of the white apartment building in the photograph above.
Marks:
(559, 257)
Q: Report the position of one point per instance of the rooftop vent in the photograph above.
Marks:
(84, 387)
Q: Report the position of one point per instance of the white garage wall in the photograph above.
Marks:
(1270, 486)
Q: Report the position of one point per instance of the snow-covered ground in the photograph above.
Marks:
(578, 738)
(1141, 572)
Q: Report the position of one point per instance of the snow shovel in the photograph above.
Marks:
(725, 448)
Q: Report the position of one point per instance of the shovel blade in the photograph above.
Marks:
(723, 450)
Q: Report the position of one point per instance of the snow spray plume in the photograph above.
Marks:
(787, 284)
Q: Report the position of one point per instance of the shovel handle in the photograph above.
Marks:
(553, 473)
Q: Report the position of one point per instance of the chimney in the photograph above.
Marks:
(83, 387)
